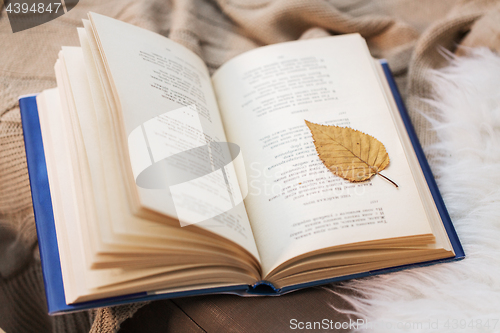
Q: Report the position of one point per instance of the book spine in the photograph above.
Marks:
(40, 195)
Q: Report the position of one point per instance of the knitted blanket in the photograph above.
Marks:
(411, 35)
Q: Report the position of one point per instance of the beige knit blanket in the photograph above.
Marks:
(411, 35)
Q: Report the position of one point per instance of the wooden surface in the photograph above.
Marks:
(230, 313)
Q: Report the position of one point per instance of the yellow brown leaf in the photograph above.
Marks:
(349, 153)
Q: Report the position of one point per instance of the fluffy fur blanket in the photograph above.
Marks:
(461, 296)
(405, 32)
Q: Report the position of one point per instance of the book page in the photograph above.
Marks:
(172, 142)
(295, 204)
(167, 245)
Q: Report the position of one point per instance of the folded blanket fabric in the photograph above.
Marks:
(408, 34)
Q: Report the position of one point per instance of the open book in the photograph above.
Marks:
(168, 181)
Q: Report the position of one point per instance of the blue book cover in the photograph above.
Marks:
(47, 239)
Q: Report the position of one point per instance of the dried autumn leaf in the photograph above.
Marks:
(349, 153)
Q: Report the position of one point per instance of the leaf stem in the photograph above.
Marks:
(389, 180)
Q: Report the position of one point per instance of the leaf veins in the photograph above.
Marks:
(349, 153)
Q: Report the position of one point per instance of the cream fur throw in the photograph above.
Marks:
(461, 296)
(405, 32)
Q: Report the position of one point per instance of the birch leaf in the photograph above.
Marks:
(349, 153)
